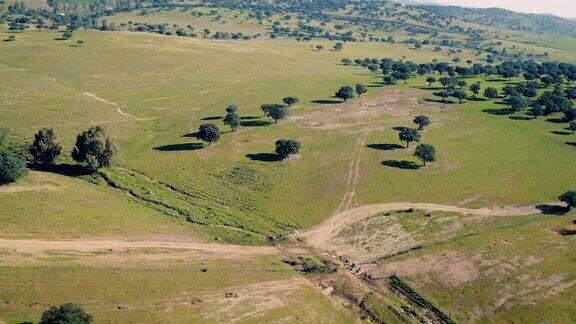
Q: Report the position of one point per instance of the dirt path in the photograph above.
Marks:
(95, 97)
(320, 236)
(353, 172)
(93, 245)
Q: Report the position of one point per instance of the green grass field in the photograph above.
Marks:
(151, 92)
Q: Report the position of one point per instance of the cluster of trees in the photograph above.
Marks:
(347, 92)
(94, 149)
(424, 152)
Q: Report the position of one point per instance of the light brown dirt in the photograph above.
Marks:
(95, 97)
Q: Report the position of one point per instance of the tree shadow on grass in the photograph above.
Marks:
(249, 117)
(399, 128)
(496, 80)
(401, 164)
(440, 101)
(520, 118)
(212, 118)
(553, 209)
(561, 133)
(255, 123)
(571, 143)
(70, 170)
(326, 101)
(477, 99)
(385, 147)
(556, 120)
(264, 157)
(375, 85)
(429, 88)
(179, 147)
(498, 112)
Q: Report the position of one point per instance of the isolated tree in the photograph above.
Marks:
(232, 120)
(338, 46)
(69, 313)
(430, 81)
(277, 112)
(208, 133)
(12, 167)
(290, 100)
(460, 95)
(360, 89)
(345, 93)
(490, 93)
(265, 107)
(44, 149)
(284, 148)
(422, 121)
(319, 47)
(94, 148)
(475, 88)
(461, 83)
(409, 135)
(426, 153)
(569, 197)
(12, 38)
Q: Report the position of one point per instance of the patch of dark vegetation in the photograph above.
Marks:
(563, 133)
(379, 312)
(249, 117)
(390, 256)
(400, 286)
(440, 100)
(385, 147)
(401, 164)
(498, 112)
(310, 265)
(326, 101)
(571, 143)
(254, 123)
(399, 128)
(276, 239)
(264, 157)
(521, 118)
(553, 209)
(555, 120)
(179, 147)
(70, 170)
(212, 118)
(565, 231)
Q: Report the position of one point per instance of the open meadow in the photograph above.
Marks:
(354, 227)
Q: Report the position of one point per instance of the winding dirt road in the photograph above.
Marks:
(320, 236)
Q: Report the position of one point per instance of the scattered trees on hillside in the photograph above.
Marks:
(94, 148)
(426, 153)
(208, 133)
(409, 135)
(12, 167)
(69, 313)
(345, 93)
(44, 149)
(285, 147)
(422, 121)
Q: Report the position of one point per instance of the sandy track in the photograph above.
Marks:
(92, 245)
(320, 236)
(95, 97)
